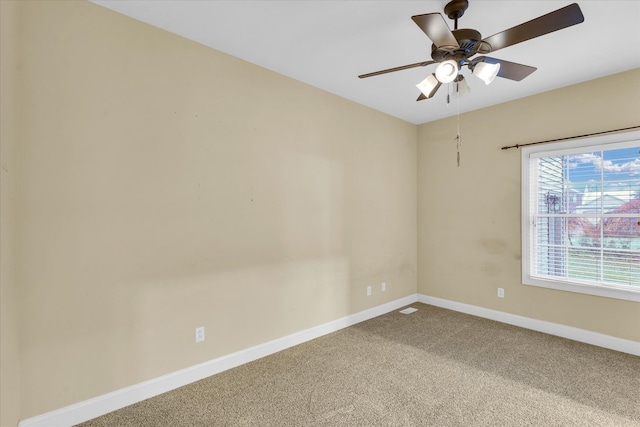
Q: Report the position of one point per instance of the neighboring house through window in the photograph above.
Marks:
(581, 216)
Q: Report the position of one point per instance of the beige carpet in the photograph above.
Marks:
(434, 367)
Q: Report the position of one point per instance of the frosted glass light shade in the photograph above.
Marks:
(486, 72)
(429, 86)
(447, 71)
(462, 88)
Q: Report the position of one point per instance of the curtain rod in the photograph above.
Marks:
(570, 137)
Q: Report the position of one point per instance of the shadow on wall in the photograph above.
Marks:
(282, 267)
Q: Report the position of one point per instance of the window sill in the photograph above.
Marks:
(601, 291)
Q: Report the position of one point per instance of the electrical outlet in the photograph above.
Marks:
(200, 334)
(500, 293)
(368, 291)
(383, 286)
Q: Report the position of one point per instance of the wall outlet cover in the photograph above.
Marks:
(200, 334)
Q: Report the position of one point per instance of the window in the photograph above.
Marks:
(581, 216)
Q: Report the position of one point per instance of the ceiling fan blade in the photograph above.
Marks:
(421, 97)
(510, 70)
(545, 24)
(391, 70)
(436, 28)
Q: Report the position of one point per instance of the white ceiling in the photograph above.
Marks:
(328, 43)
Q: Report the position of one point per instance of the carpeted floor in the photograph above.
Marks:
(434, 367)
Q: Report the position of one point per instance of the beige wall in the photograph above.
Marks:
(163, 186)
(469, 217)
(9, 337)
(166, 186)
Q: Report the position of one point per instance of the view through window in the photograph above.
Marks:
(581, 222)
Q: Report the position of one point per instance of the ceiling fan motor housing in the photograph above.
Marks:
(469, 41)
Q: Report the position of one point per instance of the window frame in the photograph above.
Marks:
(618, 140)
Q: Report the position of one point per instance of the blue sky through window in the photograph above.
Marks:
(618, 169)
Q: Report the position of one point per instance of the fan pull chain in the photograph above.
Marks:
(458, 137)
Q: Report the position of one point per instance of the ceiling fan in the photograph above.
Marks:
(452, 50)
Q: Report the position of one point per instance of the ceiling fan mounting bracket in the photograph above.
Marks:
(456, 8)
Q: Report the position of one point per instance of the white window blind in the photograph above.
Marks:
(581, 216)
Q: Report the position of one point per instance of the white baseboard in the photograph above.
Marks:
(576, 334)
(97, 406)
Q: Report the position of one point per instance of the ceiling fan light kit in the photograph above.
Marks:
(429, 86)
(462, 88)
(447, 71)
(486, 72)
(453, 49)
